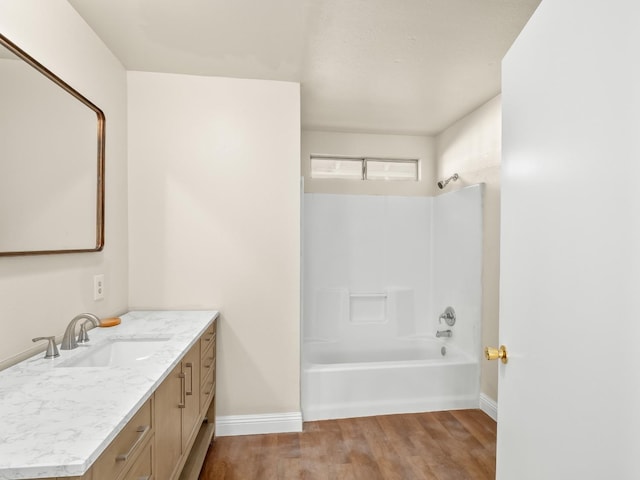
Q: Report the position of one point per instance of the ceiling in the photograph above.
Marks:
(382, 66)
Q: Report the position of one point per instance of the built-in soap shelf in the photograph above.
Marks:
(368, 307)
(367, 295)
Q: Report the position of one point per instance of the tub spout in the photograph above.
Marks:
(444, 333)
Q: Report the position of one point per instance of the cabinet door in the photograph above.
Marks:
(169, 399)
(191, 411)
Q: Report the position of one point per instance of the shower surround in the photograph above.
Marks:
(378, 271)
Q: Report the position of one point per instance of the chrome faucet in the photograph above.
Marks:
(69, 341)
(52, 350)
(449, 316)
(444, 333)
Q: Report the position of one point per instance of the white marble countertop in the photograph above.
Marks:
(56, 421)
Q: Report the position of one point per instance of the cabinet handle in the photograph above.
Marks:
(210, 365)
(142, 430)
(189, 365)
(183, 400)
(210, 337)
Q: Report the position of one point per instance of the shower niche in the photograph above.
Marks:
(366, 308)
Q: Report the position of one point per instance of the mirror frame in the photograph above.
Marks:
(99, 245)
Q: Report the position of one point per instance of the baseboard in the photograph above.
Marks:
(489, 406)
(367, 409)
(232, 425)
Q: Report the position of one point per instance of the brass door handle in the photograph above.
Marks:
(491, 353)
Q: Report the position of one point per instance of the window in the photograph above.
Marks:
(336, 168)
(391, 170)
(354, 168)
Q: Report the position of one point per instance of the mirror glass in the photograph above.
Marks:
(51, 161)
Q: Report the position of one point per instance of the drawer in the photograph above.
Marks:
(208, 389)
(142, 469)
(123, 449)
(208, 363)
(208, 338)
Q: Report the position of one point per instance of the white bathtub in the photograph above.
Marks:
(401, 376)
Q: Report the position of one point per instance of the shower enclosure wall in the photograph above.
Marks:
(378, 271)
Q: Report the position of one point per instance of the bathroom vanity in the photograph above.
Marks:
(135, 402)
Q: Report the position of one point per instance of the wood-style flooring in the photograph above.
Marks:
(452, 445)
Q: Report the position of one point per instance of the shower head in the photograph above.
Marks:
(443, 183)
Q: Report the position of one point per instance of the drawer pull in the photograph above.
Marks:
(183, 399)
(209, 366)
(142, 430)
(190, 367)
(210, 337)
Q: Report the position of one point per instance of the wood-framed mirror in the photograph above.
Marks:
(52, 160)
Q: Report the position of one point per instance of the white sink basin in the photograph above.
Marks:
(118, 352)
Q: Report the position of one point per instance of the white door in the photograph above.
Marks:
(569, 396)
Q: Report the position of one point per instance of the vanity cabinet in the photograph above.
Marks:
(178, 412)
(208, 367)
(143, 467)
(185, 412)
(168, 438)
(131, 445)
(130, 456)
(168, 397)
(191, 410)
(205, 431)
(163, 406)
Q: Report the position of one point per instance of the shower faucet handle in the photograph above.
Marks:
(449, 316)
(52, 349)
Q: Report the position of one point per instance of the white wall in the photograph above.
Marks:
(471, 147)
(215, 222)
(424, 253)
(364, 244)
(373, 145)
(456, 274)
(40, 294)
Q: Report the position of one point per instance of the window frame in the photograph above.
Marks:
(363, 162)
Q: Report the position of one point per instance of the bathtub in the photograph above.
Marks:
(398, 376)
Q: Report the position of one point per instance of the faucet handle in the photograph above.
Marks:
(83, 336)
(449, 316)
(52, 349)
